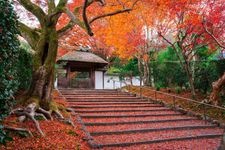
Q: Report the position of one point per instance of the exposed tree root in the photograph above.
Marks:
(40, 115)
(34, 111)
(47, 114)
(67, 121)
(60, 117)
(30, 113)
(58, 114)
(18, 130)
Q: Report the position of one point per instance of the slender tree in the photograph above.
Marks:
(186, 35)
(213, 23)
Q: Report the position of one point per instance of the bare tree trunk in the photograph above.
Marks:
(191, 82)
(217, 87)
(140, 68)
(190, 78)
(185, 65)
(151, 77)
(131, 80)
(146, 73)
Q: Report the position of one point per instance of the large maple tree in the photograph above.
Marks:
(55, 19)
(193, 24)
(213, 21)
(187, 34)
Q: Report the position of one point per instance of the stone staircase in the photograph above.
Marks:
(116, 120)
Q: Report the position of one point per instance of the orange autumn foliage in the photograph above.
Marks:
(78, 37)
(124, 31)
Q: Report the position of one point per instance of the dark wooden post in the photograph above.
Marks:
(68, 72)
(141, 87)
(103, 78)
(92, 78)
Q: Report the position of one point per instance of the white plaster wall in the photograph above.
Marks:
(98, 80)
(56, 83)
(113, 82)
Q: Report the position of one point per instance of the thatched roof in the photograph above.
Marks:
(82, 56)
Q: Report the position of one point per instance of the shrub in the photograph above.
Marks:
(178, 90)
(9, 46)
(167, 70)
(24, 67)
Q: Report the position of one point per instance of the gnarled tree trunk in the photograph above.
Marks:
(217, 87)
(44, 40)
(43, 67)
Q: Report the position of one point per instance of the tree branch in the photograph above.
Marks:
(166, 39)
(110, 14)
(60, 8)
(56, 11)
(74, 21)
(62, 3)
(31, 35)
(86, 24)
(51, 6)
(65, 28)
(84, 15)
(113, 13)
(214, 38)
(173, 46)
(34, 9)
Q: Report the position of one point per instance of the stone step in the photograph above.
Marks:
(183, 144)
(97, 94)
(143, 126)
(119, 110)
(158, 135)
(140, 122)
(128, 116)
(105, 100)
(84, 89)
(100, 96)
(204, 141)
(89, 91)
(132, 113)
(135, 119)
(109, 103)
(114, 106)
(184, 127)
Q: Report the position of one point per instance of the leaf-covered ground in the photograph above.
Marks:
(211, 112)
(58, 135)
